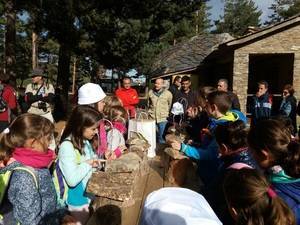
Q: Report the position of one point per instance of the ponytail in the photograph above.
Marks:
(6, 148)
(249, 193)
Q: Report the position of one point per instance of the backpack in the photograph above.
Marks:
(60, 184)
(5, 180)
(3, 104)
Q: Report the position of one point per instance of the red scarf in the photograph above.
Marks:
(35, 159)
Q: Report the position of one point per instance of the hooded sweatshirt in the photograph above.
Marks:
(208, 152)
(288, 188)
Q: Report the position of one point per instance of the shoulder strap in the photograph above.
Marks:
(31, 171)
(77, 152)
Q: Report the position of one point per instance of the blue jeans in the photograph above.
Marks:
(161, 129)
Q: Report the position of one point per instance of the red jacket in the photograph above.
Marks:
(9, 96)
(129, 98)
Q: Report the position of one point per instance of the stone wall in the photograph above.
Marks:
(287, 41)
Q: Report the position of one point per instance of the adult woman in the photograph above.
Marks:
(289, 104)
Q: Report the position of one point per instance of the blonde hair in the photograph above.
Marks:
(118, 114)
(24, 127)
(110, 101)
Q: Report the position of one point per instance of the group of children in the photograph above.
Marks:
(250, 176)
(94, 133)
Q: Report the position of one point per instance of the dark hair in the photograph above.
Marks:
(185, 78)
(232, 134)
(177, 78)
(247, 191)
(221, 99)
(82, 117)
(202, 96)
(24, 127)
(289, 88)
(263, 82)
(273, 136)
(4, 77)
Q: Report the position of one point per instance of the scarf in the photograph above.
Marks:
(32, 158)
(120, 127)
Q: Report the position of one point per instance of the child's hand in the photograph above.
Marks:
(68, 220)
(176, 145)
(110, 155)
(95, 163)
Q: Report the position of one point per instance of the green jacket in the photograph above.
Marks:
(159, 105)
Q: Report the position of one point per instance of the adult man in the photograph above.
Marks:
(8, 101)
(262, 103)
(223, 86)
(128, 96)
(175, 86)
(40, 95)
(159, 104)
(186, 93)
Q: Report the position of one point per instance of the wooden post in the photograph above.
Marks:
(74, 77)
(34, 50)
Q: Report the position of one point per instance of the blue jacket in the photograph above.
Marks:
(261, 107)
(209, 151)
(288, 189)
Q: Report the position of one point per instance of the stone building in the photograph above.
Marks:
(271, 54)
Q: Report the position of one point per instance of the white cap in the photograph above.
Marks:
(90, 93)
(177, 206)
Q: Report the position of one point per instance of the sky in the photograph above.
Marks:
(218, 7)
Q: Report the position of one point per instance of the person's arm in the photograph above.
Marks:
(25, 198)
(170, 100)
(287, 109)
(73, 171)
(134, 98)
(235, 102)
(208, 153)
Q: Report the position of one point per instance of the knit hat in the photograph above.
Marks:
(90, 93)
(177, 206)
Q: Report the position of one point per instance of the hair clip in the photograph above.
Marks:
(271, 192)
(6, 131)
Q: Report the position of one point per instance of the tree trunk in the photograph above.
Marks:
(34, 49)
(10, 37)
(64, 70)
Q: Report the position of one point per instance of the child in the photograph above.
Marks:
(110, 101)
(252, 201)
(234, 154)
(177, 206)
(270, 142)
(77, 158)
(93, 95)
(31, 194)
(113, 142)
(217, 107)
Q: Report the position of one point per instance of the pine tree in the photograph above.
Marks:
(283, 9)
(238, 16)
